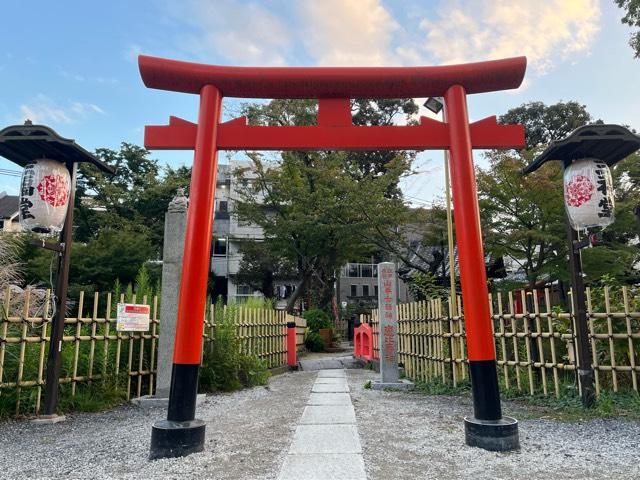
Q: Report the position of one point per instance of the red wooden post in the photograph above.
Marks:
(480, 430)
(292, 353)
(181, 433)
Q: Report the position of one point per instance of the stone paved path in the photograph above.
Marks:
(326, 444)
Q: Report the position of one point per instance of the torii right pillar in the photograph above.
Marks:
(487, 429)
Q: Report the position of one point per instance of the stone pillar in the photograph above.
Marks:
(175, 224)
(388, 334)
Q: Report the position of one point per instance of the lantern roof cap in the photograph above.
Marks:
(607, 143)
(22, 144)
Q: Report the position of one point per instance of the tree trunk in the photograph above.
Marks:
(300, 287)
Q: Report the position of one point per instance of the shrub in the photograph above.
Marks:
(314, 342)
(224, 368)
(317, 319)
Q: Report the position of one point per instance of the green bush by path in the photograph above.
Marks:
(225, 367)
(317, 319)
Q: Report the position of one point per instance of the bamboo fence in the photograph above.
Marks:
(92, 349)
(534, 340)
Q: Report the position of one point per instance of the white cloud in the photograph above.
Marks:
(243, 32)
(337, 33)
(546, 32)
(132, 52)
(43, 109)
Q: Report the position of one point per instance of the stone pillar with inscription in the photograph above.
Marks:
(175, 224)
(388, 330)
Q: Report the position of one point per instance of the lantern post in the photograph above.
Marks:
(606, 144)
(26, 145)
(54, 358)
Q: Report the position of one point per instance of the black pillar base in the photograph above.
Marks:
(494, 435)
(176, 439)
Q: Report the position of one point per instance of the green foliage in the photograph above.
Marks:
(632, 18)
(310, 204)
(93, 397)
(523, 217)
(567, 407)
(225, 368)
(367, 385)
(317, 319)
(261, 266)
(425, 286)
(314, 342)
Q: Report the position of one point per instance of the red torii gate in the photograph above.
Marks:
(181, 433)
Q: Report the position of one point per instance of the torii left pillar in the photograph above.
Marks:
(181, 433)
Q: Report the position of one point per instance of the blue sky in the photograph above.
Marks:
(72, 64)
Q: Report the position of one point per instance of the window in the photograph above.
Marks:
(244, 290)
(220, 246)
(223, 206)
(352, 270)
(366, 270)
(365, 290)
(354, 290)
(375, 290)
(375, 271)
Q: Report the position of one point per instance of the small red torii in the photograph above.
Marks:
(333, 87)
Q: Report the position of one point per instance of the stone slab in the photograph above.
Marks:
(329, 399)
(310, 439)
(331, 381)
(323, 467)
(329, 363)
(399, 385)
(48, 419)
(328, 414)
(332, 374)
(150, 401)
(324, 388)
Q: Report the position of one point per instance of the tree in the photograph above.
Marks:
(315, 208)
(136, 197)
(544, 123)
(523, 217)
(261, 266)
(632, 18)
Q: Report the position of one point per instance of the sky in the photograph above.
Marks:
(72, 64)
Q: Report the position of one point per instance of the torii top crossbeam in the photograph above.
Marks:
(332, 82)
(333, 87)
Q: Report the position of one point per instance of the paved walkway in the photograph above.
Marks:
(326, 444)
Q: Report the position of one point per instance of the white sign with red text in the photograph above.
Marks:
(133, 317)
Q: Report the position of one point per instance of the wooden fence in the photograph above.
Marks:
(93, 350)
(534, 340)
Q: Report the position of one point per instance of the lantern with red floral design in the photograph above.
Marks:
(44, 196)
(588, 194)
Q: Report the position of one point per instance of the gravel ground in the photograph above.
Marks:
(412, 436)
(247, 437)
(404, 436)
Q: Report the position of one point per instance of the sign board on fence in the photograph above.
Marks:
(133, 317)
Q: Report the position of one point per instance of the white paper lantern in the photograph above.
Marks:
(588, 194)
(44, 196)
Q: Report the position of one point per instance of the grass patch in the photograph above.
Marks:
(367, 385)
(94, 397)
(567, 407)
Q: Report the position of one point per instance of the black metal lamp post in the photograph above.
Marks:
(23, 145)
(608, 144)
